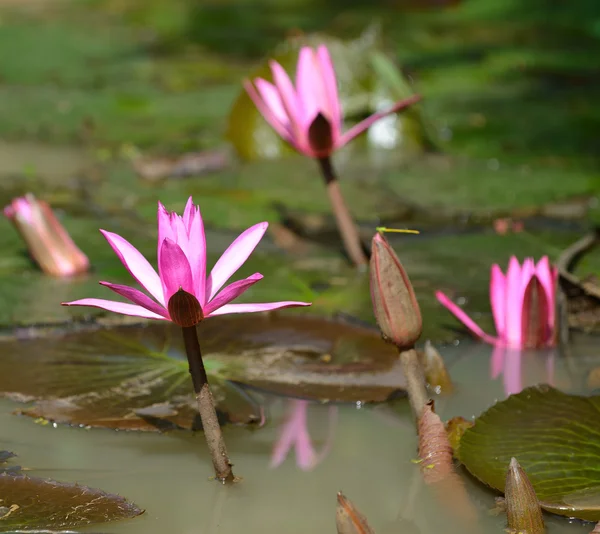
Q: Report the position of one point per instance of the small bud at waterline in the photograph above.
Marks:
(184, 309)
(394, 303)
(348, 519)
(522, 506)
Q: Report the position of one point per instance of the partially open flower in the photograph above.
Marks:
(394, 302)
(308, 114)
(523, 303)
(48, 242)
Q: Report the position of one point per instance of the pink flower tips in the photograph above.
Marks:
(523, 304)
(308, 115)
(180, 291)
(48, 242)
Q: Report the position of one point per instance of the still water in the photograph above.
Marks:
(366, 452)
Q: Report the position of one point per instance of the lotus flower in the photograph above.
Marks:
(48, 242)
(295, 434)
(181, 287)
(309, 116)
(523, 304)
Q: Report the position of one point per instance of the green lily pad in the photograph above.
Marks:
(136, 377)
(31, 504)
(556, 439)
(367, 82)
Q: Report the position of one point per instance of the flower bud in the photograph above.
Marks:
(522, 506)
(184, 309)
(47, 241)
(348, 519)
(394, 303)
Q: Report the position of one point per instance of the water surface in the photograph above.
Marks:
(371, 459)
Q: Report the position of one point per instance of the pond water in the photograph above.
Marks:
(367, 452)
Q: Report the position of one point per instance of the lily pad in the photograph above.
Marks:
(556, 439)
(136, 377)
(31, 504)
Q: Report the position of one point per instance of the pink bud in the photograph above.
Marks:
(48, 242)
(394, 303)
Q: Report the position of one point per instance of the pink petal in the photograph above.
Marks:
(165, 230)
(175, 269)
(546, 275)
(309, 85)
(187, 213)
(117, 307)
(197, 254)
(288, 98)
(260, 307)
(234, 257)
(514, 303)
(464, 318)
(363, 125)
(498, 299)
(231, 292)
(331, 90)
(267, 112)
(137, 297)
(136, 264)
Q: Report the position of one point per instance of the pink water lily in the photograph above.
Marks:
(309, 115)
(182, 270)
(294, 433)
(523, 305)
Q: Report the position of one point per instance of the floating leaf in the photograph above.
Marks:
(556, 439)
(136, 377)
(32, 504)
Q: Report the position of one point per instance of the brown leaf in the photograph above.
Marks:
(348, 519)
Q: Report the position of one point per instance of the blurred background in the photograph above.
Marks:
(108, 105)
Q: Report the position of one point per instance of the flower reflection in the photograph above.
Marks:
(294, 433)
(509, 363)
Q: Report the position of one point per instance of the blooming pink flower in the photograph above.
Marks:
(182, 266)
(309, 116)
(48, 242)
(295, 434)
(523, 304)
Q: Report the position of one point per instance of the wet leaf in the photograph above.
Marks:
(136, 377)
(456, 428)
(30, 504)
(435, 370)
(554, 437)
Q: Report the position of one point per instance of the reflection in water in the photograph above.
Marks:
(294, 433)
(510, 362)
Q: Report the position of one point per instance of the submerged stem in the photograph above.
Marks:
(345, 224)
(206, 406)
(415, 381)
